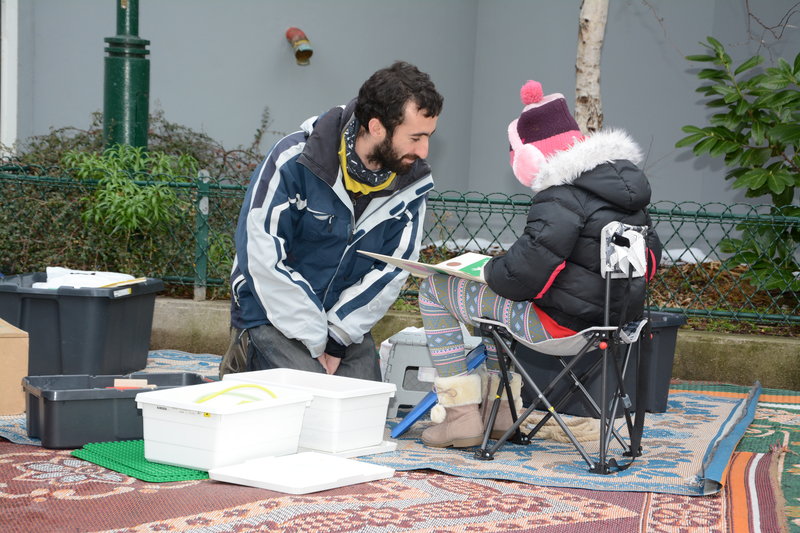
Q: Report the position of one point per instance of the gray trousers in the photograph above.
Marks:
(265, 347)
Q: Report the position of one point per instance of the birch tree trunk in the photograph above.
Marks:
(591, 29)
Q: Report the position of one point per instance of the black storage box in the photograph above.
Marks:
(543, 368)
(69, 411)
(81, 331)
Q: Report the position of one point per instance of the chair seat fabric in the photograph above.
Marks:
(570, 346)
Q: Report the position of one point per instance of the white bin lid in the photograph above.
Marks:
(223, 398)
(300, 473)
(384, 447)
(315, 383)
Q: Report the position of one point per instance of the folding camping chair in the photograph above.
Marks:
(622, 256)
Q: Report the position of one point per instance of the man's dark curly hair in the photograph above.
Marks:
(385, 93)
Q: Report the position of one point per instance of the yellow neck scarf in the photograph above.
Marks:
(354, 185)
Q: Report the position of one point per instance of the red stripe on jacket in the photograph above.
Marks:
(651, 263)
(550, 281)
(553, 328)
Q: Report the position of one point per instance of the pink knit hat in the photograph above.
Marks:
(544, 127)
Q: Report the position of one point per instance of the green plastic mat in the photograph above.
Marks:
(127, 457)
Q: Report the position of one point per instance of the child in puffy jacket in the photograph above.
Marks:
(548, 284)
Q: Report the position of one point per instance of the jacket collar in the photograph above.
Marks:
(323, 133)
(602, 147)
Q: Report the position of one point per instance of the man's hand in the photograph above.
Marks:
(330, 363)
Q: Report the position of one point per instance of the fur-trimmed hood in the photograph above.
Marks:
(599, 148)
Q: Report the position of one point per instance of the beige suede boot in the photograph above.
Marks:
(457, 417)
(503, 421)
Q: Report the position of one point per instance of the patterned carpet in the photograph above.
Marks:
(686, 450)
(772, 437)
(49, 490)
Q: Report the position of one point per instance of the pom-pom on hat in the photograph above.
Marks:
(544, 127)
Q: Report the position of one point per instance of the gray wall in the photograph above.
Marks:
(648, 88)
(215, 65)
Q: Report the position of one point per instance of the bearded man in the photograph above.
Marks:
(354, 178)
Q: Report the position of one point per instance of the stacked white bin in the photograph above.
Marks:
(217, 424)
(345, 414)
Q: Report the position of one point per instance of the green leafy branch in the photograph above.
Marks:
(120, 204)
(756, 129)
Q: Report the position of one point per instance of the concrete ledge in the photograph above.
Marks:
(202, 327)
(739, 359)
(196, 327)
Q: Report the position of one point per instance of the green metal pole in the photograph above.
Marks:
(127, 81)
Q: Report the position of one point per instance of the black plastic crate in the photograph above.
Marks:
(81, 331)
(544, 368)
(69, 411)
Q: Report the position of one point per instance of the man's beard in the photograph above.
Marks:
(386, 158)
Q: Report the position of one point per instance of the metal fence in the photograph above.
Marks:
(42, 223)
(695, 277)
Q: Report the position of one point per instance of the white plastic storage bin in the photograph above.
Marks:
(222, 423)
(345, 413)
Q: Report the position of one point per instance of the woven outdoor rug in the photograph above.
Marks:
(763, 478)
(685, 451)
(177, 361)
(49, 490)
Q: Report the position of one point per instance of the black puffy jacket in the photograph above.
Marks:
(556, 262)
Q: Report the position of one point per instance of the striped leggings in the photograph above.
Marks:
(446, 301)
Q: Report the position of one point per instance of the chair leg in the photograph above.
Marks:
(505, 385)
(608, 415)
(622, 396)
(601, 467)
(642, 375)
(586, 397)
(497, 392)
(607, 422)
(516, 437)
(607, 410)
(488, 453)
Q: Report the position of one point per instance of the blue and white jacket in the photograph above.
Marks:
(296, 265)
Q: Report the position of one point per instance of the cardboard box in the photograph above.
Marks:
(14, 362)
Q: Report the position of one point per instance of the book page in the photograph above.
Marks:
(467, 266)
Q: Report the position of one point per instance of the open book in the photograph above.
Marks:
(467, 266)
